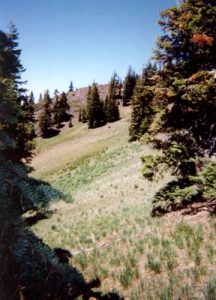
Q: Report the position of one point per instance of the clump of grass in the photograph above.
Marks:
(210, 252)
(100, 272)
(85, 239)
(185, 236)
(167, 254)
(82, 260)
(153, 264)
(127, 276)
(210, 290)
(53, 227)
(166, 293)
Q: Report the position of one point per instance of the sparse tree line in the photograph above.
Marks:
(97, 112)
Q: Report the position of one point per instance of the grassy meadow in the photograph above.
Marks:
(107, 222)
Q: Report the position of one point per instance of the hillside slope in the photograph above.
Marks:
(107, 224)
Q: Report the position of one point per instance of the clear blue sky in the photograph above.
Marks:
(82, 40)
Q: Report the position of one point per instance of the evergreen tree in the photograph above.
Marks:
(186, 53)
(11, 66)
(89, 106)
(189, 98)
(45, 120)
(95, 111)
(115, 87)
(142, 103)
(70, 124)
(56, 92)
(128, 86)
(189, 43)
(60, 109)
(25, 137)
(11, 69)
(29, 107)
(40, 99)
(111, 109)
(71, 88)
(111, 102)
(82, 115)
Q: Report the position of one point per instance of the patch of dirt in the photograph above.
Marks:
(207, 207)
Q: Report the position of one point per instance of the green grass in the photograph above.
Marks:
(172, 257)
(68, 135)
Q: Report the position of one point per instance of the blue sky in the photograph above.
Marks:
(82, 40)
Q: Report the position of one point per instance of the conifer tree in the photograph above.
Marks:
(45, 120)
(70, 124)
(56, 92)
(95, 111)
(26, 136)
(11, 66)
(188, 44)
(82, 115)
(71, 88)
(40, 99)
(60, 109)
(128, 86)
(111, 101)
(190, 111)
(11, 69)
(115, 87)
(142, 103)
(186, 53)
(111, 109)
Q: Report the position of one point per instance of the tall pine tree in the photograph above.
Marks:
(128, 86)
(142, 103)
(111, 101)
(95, 110)
(11, 69)
(71, 88)
(60, 109)
(45, 119)
(186, 53)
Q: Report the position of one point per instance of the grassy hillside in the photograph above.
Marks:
(107, 224)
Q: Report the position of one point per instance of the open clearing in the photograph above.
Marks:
(108, 218)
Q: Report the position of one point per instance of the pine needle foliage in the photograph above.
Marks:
(111, 101)
(128, 86)
(182, 108)
(142, 102)
(11, 70)
(95, 109)
(60, 109)
(45, 118)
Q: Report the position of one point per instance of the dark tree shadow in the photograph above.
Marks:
(29, 268)
(51, 133)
